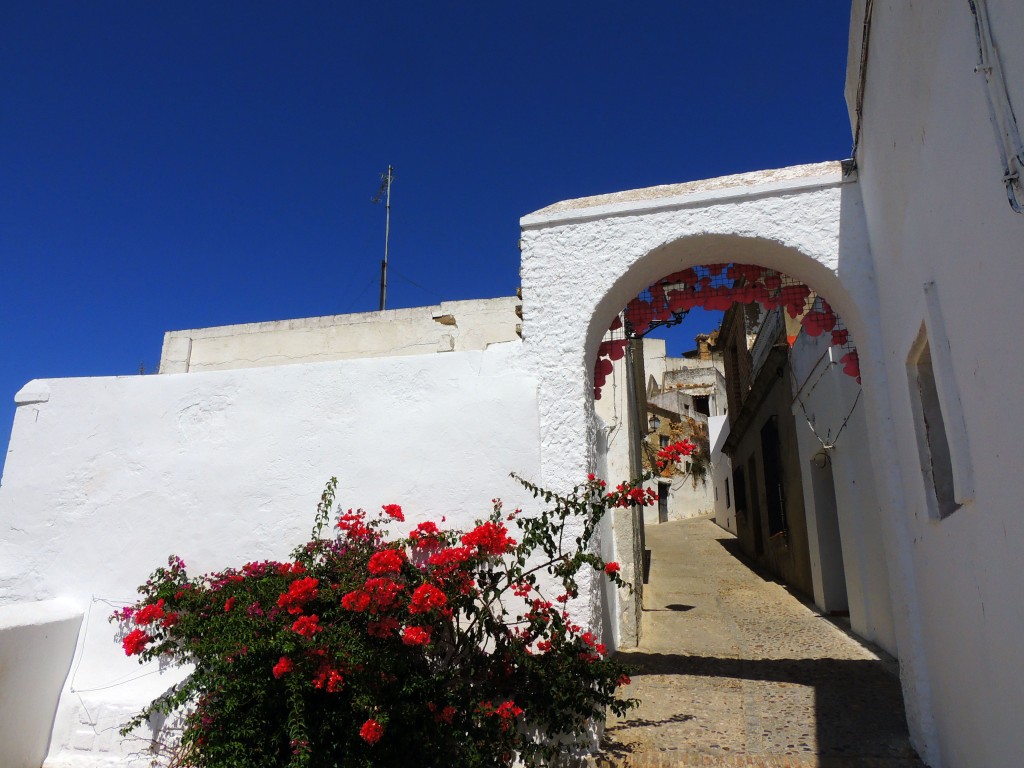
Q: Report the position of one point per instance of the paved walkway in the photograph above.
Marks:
(735, 671)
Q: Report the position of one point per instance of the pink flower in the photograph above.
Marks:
(416, 635)
(371, 731)
(135, 642)
(283, 667)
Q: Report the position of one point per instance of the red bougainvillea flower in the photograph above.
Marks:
(623, 680)
(328, 678)
(522, 589)
(283, 667)
(357, 601)
(425, 536)
(507, 711)
(416, 635)
(446, 715)
(394, 512)
(229, 604)
(426, 598)
(353, 526)
(491, 538)
(382, 592)
(371, 731)
(283, 569)
(307, 626)
(150, 613)
(299, 592)
(135, 642)
(448, 560)
(384, 628)
(386, 561)
(611, 568)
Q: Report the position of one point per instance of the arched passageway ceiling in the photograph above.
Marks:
(584, 260)
(718, 287)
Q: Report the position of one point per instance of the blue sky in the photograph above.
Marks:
(180, 165)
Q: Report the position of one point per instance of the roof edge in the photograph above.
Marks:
(705, 191)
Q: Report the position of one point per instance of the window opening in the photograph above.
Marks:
(755, 506)
(775, 493)
(932, 440)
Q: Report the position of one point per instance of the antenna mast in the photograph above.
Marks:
(385, 189)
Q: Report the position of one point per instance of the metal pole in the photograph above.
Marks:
(387, 236)
(637, 423)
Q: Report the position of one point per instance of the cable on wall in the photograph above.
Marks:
(1004, 121)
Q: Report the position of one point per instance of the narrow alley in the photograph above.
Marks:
(733, 670)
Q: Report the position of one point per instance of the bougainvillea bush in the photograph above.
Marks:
(443, 648)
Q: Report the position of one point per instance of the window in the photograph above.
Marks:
(728, 501)
(700, 404)
(932, 440)
(663, 439)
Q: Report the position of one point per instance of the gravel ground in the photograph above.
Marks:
(734, 670)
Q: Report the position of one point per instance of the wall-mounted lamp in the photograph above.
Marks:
(655, 423)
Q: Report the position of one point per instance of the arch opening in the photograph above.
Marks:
(771, 394)
(767, 392)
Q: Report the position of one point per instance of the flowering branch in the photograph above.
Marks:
(364, 649)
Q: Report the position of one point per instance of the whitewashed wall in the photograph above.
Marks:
(937, 211)
(37, 641)
(844, 530)
(105, 477)
(721, 474)
(451, 326)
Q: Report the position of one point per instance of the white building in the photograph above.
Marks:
(914, 243)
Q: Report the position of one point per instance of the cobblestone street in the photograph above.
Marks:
(735, 671)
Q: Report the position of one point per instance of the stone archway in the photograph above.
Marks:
(583, 260)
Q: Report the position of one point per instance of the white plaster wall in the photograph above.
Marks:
(612, 463)
(721, 473)
(452, 326)
(827, 398)
(583, 260)
(105, 477)
(684, 499)
(37, 642)
(936, 211)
